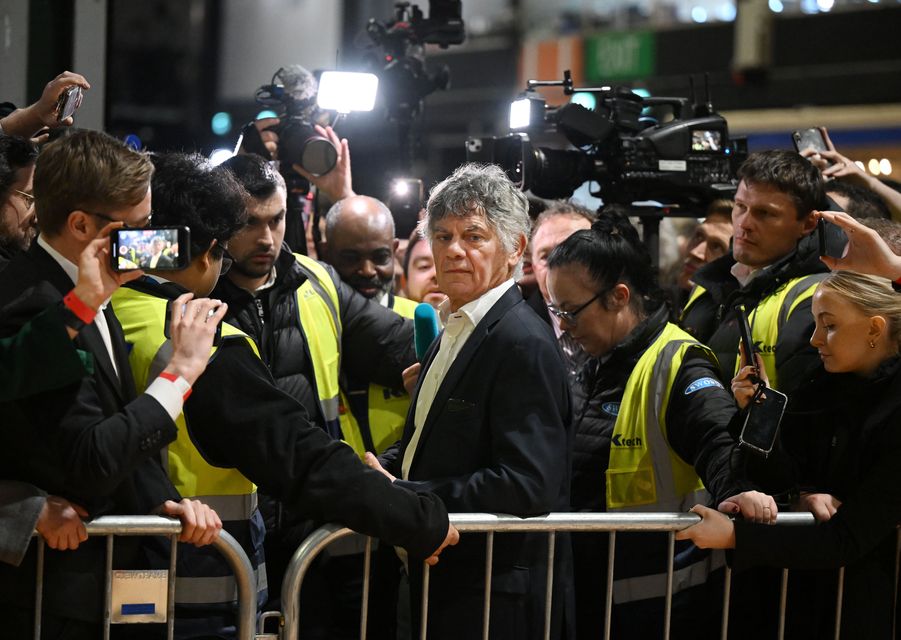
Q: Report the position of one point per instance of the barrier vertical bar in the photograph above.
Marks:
(783, 601)
(727, 595)
(170, 596)
(897, 572)
(668, 610)
(38, 588)
(424, 625)
(838, 603)
(489, 562)
(364, 607)
(608, 605)
(549, 589)
(108, 593)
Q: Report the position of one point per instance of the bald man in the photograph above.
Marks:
(360, 244)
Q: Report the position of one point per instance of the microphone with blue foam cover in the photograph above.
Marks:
(425, 328)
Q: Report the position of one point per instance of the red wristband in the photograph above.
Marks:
(77, 306)
(171, 377)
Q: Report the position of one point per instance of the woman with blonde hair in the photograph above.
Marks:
(842, 430)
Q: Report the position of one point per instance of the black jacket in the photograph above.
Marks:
(376, 343)
(712, 319)
(696, 421)
(842, 432)
(93, 442)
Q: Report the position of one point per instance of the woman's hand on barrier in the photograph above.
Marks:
(373, 463)
(452, 538)
(200, 525)
(866, 251)
(751, 505)
(60, 524)
(822, 505)
(714, 531)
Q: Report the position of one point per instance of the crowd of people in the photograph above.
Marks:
(264, 389)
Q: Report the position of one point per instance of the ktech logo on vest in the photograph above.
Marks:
(619, 441)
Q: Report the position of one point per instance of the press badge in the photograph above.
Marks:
(139, 596)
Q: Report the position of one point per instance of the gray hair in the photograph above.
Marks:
(334, 214)
(481, 189)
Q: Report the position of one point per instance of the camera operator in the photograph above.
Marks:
(28, 121)
(92, 441)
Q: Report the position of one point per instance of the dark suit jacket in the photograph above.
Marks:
(497, 439)
(92, 442)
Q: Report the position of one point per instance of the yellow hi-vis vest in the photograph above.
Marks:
(226, 490)
(320, 321)
(771, 314)
(387, 409)
(644, 473)
(696, 292)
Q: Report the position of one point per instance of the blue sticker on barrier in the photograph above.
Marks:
(702, 383)
(138, 609)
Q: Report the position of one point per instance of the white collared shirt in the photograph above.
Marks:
(458, 326)
(161, 390)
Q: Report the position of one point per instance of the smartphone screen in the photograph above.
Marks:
(150, 248)
(810, 139)
(762, 422)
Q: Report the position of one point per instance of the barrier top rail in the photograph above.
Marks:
(225, 544)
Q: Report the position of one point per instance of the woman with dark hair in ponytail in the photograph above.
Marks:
(652, 433)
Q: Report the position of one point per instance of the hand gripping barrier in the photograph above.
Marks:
(111, 526)
(551, 524)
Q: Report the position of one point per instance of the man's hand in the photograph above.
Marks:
(193, 328)
(97, 280)
(452, 538)
(268, 138)
(337, 184)
(866, 251)
(822, 505)
(373, 463)
(28, 121)
(752, 505)
(200, 525)
(61, 525)
(411, 377)
(714, 531)
(743, 384)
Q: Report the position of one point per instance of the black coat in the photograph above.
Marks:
(497, 439)
(843, 434)
(712, 319)
(376, 343)
(93, 442)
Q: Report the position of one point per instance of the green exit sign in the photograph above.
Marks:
(619, 56)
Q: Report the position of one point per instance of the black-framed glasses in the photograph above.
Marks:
(573, 316)
(27, 198)
(105, 217)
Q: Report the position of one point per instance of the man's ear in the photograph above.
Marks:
(518, 250)
(79, 226)
(809, 224)
(620, 296)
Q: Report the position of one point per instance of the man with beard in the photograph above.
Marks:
(360, 246)
(17, 219)
(307, 322)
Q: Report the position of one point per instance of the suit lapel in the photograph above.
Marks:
(461, 363)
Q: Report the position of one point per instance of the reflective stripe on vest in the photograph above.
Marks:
(644, 473)
(771, 314)
(226, 490)
(696, 292)
(320, 321)
(387, 408)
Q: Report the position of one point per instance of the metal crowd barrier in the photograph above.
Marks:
(111, 526)
(550, 524)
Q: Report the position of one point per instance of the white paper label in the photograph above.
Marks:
(139, 596)
(672, 165)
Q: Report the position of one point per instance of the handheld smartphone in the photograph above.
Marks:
(150, 248)
(821, 235)
(810, 139)
(762, 422)
(68, 102)
(747, 341)
(217, 338)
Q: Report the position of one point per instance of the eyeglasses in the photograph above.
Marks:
(27, 198)
(227, 262)
(103, 216)
(571, 317)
